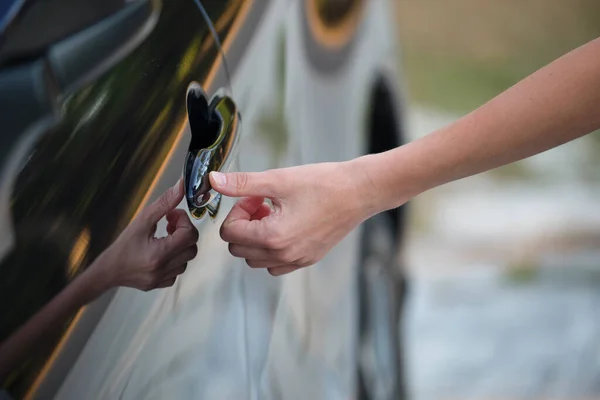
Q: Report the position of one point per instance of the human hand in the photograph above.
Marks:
(139, 260)
(314, 207)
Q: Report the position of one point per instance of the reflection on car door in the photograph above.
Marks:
(116, 140)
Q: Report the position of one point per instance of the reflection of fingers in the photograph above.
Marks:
(250, 252)
(165, 203)
(166, 283)
(174, 217)
(182, 238)
(170, 229)
(286, 269)
(183, 221)
(176, 271)
(181, 258)
(262, 263)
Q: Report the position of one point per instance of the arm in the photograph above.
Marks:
(556, 104)
(315, 206)
(48, 321)
(136, 259)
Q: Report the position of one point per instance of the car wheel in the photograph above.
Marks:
(381, 293)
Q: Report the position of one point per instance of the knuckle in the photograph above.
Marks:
(149, 284)
(308, 262)
(275, 239)
(187, 240)
(241, 180)
(156, 257)
(288, 256)
(225, 233)
(233, 250)
(190, 234)
(281, 270)
(154, 264)
(274, 242)
(195, 234)
(283, 256)
(270, 242)
(193, 252)
(151, 280)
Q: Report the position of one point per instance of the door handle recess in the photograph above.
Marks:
(215, 132)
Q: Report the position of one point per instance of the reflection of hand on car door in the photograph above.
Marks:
(139, 260)
(136, 259)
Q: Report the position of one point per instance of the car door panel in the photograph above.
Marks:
(236, 25)
(119, 139)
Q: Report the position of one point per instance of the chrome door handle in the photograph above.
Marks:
(215, 129)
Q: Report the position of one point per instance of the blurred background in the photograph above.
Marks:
(505, 267)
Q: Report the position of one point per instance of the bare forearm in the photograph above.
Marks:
(137, 259)
(556, 104)
(46, 323)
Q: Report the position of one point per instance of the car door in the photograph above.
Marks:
(94, 125)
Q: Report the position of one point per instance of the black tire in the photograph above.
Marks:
(382, 289)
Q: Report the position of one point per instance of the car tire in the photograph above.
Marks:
(381, 292)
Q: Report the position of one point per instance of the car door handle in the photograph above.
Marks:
(86, 55)
(215, 129)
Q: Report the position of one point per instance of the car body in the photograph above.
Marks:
(95, 126)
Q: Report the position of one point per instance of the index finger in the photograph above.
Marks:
(240, 184)
(240, 226)
(245, 231)
(173, 219)
(185, 235)
(179, 218)
(161, 206)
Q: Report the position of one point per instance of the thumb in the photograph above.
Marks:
(165, 203)
(245, 184)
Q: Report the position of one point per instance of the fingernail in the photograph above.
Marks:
(219, 178)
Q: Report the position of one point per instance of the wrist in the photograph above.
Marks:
(366, 186)
(386, 180)
(102, 271)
